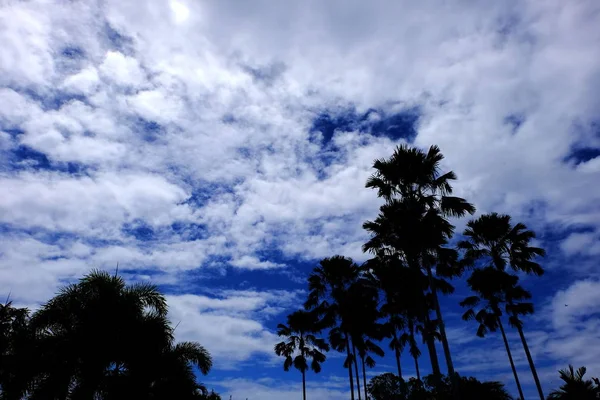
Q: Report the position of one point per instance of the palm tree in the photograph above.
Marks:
(493, 240)
(575, 386)
(15, 344)
(413, 176)
(490, 286)
(415, 352)
(403, 306)
(361, 315)
(101, 337)
(365, 348)
(302, 343)
(328, 297)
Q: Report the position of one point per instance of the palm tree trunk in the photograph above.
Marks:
(531, 364)
(350, 369)
(397, 355)
(512, 364)
(304, 385)
(364, 377)
(411, 328)
(433, 358)
(445, 345)
(438, 313)
(398, 365)
(417, 368)
(356, 371)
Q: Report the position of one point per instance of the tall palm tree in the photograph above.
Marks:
(403, 307)
(361, 315)
(329, 284)
(490, 286)
(415, 352)
(413, 176)
(366, 347)
(103, 338)
(492, 240)
(575, 387)
(301, 344)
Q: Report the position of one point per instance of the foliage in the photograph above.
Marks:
(385, 387)
(575, 387)
(210, 396)
(102, 339)
(302, 343)
(14, 341)
(389, 387)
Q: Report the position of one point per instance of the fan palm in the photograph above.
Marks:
(301, 344)
(362, 316)
(490, 286)
(404, 304)
(492, 240)
(575, 387)
(328, 285)
(413, 176)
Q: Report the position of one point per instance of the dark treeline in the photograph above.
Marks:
(99, 339)
(392, 300)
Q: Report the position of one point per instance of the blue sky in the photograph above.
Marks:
(220, 149)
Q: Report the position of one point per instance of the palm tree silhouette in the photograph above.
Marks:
(362, 317)
(15, 345)
(328, 297)
(301, 344)
(412, 176)
(490, 286)
(493, 240)
(101, 337)
(404, 303)
(575, 386)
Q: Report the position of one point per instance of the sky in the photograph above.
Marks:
(220, 149)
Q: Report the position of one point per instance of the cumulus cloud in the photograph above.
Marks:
(587, 243)
(230, 323)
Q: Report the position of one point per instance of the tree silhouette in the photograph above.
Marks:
(328, 297)
(493, 240)
(101, 338)
(575, 387)
(15, 346)
(388, 387)
(490, 286)
(301, 344)
(362, 318)
(385, 387)
(404, 304)
(414, 220)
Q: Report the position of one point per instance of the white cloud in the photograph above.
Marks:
(180, 11)
(587, 243)
(84, 82)
(122, 70)
(250, 262)
(90, 206)
(25, 35)
(229, 324)
(569, 306)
